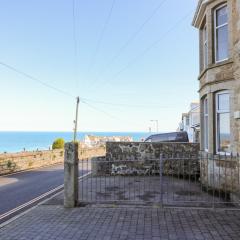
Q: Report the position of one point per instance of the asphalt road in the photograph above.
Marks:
(20, 188)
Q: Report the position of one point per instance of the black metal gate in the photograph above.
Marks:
(170, 180)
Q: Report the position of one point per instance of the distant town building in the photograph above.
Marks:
(218, 22)
(92, 141)
(190, 122)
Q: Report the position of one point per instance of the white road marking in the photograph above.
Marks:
(37, 199)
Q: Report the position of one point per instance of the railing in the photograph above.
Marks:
(177, 179)
(220, 176)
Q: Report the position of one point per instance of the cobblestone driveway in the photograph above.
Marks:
(50, 222)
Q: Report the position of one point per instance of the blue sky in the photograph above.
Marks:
(152, 81)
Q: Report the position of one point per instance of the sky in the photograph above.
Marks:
(129, 61)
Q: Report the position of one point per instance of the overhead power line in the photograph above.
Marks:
(126, 105)
(56, 89)
(146, 50)
(84, 100)
(106, 113)
(133, 36)
(35, 79)
(100, 39)
(75, 43)
(97, 109)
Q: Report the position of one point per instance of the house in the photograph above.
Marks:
(218, 22)
(92, 141)
(190, 122)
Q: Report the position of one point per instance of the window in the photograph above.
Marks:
(221, 33)
(205, 124)
(222, 122)
(205, 47)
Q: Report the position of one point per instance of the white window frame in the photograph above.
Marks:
(215, 32)
(205, 46)
(205, 122)
(216, 119)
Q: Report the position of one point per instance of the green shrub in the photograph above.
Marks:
(9, 164)
(58, 144)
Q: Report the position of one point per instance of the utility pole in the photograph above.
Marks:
(76, 121)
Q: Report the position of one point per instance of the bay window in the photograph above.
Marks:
(205, 47)
(205, 123)
(221, 33)
(222, 122)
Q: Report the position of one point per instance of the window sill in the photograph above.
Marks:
(223, 153)
(215, 65)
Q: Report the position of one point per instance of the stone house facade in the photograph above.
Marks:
(218, 22)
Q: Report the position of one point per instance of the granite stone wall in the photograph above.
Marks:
(139, 158)
(145, 150)
(10, 163)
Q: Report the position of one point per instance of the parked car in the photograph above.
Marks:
(168, 137)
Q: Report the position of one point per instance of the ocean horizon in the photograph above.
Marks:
(18, 141)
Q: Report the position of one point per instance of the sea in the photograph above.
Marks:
(11, 142)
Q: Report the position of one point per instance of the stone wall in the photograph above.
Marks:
(10, 163)
(144, 150)
(144, 158)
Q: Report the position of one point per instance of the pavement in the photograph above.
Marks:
(51, 221)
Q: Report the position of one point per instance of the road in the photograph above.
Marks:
(20, 188)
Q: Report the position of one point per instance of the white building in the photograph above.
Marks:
(92, 141)
(190, 122)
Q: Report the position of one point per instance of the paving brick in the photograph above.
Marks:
(52, 222)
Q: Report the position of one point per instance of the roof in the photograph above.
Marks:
(91, 138)
(162, 134)
(110, 138)
(201, 7)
